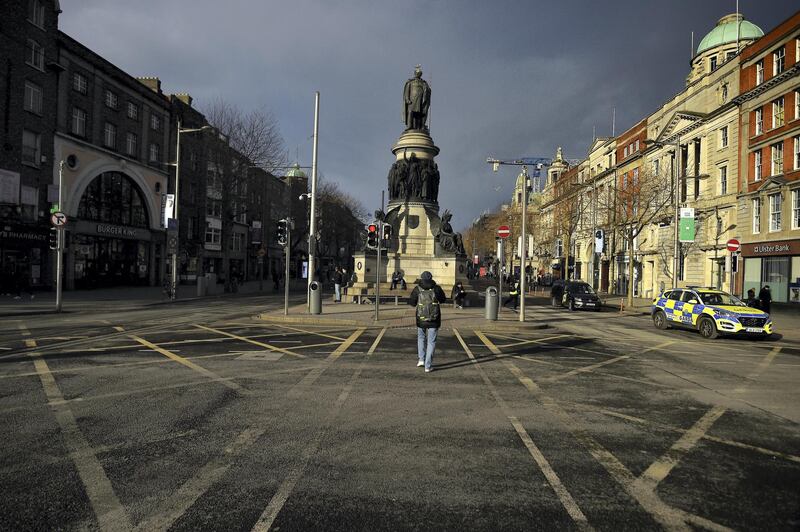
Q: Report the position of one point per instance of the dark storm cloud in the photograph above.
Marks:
(509, 79)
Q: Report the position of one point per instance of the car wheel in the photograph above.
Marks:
(707, 328)
(571, 305)
(660, 320)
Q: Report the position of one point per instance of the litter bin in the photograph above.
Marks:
(315, 298)
(491, 303)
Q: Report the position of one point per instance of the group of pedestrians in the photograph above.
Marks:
(763, 301)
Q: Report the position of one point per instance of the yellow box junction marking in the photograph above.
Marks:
(105, 504)
(314, 374)
(552, 478)
(248, 340)
(669, 517)
(374, 345)
(189, 364)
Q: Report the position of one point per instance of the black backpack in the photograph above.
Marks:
(428, 306)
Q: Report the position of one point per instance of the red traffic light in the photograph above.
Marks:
(372, 228)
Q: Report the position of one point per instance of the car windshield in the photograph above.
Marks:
(581, 289)
(721, 298)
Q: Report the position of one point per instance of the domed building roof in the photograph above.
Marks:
(725, 32)
(295, 171)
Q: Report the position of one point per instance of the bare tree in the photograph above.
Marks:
(641, 198)
(568, 209)
(254, 134)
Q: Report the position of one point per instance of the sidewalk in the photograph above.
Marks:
(122, 298)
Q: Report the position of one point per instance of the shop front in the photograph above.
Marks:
(775, 263)
(24, 257)
(111, 243)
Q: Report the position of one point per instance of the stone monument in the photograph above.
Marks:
(422, 238)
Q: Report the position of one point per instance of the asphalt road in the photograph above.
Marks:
(198, 417)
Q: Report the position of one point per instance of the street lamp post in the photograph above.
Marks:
(180, 130)
(523, 248)
(312, 231)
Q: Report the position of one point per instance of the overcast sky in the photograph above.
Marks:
(509, 78)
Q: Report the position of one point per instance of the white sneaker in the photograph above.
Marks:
(420, 363)
(428, 370)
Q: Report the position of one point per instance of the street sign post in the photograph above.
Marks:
(734, 245)
(58, 219)
(503, 231)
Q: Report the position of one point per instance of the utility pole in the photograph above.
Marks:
(524, 243)
(312, 231)
(286, 268)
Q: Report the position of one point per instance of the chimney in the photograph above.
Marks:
(154, 84)
(185, 97)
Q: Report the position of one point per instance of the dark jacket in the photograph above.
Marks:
(440, 297)
(337, 278)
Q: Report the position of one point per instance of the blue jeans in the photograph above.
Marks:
(337, 288)
(425, 352)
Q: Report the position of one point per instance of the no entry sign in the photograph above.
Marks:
(733, 245)
(503, 231)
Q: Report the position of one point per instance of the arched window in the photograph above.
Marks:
(112, 197)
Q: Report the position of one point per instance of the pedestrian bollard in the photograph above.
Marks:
(491, 303)
(315, 298)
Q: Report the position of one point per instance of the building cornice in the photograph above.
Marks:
(767, 85)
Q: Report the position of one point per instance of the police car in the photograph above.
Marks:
(712, 312)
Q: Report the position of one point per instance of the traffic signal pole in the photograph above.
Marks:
(378, 265)
(60, 241)
(286, 270)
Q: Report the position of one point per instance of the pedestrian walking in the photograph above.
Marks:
(765, 298)
(458, 295)
(426, 298)
(276, 279)
(751, 298)
(513, 294)
(337, 284)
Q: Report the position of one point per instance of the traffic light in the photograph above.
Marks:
(282, 233)
(372, 236)
(387, 232)
(52, 238)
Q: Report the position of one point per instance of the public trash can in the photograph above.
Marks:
(491, 303)
(315, 298)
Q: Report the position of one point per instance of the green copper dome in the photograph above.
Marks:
(725, 32)
(295, 171)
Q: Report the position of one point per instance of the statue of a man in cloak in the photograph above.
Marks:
(416, 101)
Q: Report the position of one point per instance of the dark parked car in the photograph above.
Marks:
(577, 295)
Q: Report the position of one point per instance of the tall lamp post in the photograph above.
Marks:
(312, 230)
(179, 130)
(523, 248)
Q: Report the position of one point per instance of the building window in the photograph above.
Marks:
(131, 144)
(36, 13)
(778, 60)
(774, 212)
(133, 111)
(78, 122)
(760, 72)
(112, 197)
(625, 152)
(797, 100)
(236, 241)
(33, 98)
(796, 208)
(712, 63)
(797, 152)
(155, 122)
(777, 159)
(214, 208)
(79, 82)
(723, 180)
(757, 165)
(723, 137)
(111, 99)
(213, 236)
(155, 153)
(777, 112)
(656, 166)
(31, 147)
(756, 216)
(759, 121)
(35, 55)
(637, 145)
(110, 136)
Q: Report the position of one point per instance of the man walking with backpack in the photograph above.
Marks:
(426, 297)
